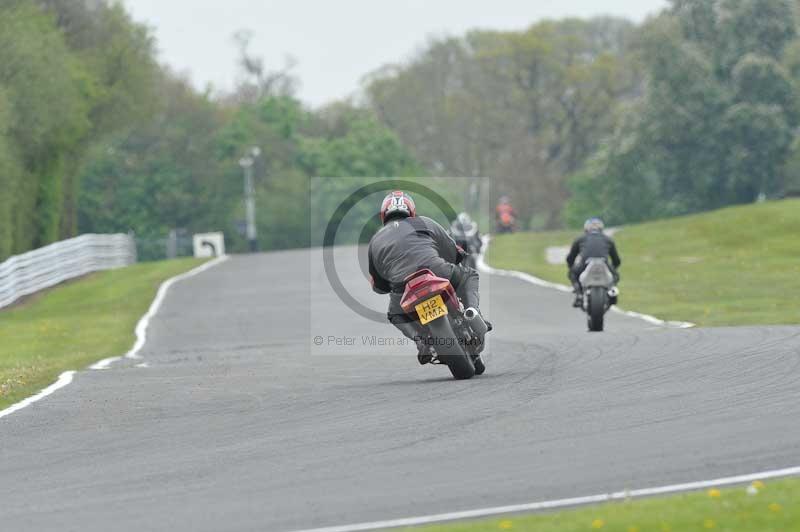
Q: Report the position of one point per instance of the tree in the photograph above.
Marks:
(161, 175)
(760, 139)
(524, 108)
(715, 125)
(762, 27)
(120, 75)
(10, 179)
(47, 119)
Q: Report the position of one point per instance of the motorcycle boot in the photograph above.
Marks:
(578, 291)
(410, 331)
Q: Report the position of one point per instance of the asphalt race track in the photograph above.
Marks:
(240, 422)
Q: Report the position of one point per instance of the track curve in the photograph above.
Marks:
(242, 423)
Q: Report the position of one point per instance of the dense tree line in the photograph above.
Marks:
(96, 136)
(694, 109)
(717, 122)
(69, 74)
(523, 108)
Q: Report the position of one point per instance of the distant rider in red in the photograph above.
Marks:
(505, 216)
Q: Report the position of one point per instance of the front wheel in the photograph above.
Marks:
(449, 350)
(597, 308)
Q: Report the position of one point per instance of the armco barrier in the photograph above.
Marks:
(36, 270)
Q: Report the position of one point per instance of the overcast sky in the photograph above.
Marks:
(337, 42)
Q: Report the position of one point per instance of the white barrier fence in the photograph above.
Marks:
(36, 270)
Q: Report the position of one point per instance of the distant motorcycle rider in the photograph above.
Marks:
(505, 216)
(594, 243)
(465, 232)
(406, 244)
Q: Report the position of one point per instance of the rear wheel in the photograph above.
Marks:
(597, 308)
(480, 367)
(449, 349)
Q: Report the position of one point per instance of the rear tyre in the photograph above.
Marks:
(449, 350)
(480, 367)
(597, 308)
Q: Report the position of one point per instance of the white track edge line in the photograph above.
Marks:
(144, 322)
(63, 380)
(141, 336)
(559, 503)
(528, 278)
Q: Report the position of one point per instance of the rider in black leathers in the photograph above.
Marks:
(406, 244)
(465, 232)
(594, 243)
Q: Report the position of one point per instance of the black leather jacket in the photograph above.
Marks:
(594, 245)
(467, 238)
(405, 246)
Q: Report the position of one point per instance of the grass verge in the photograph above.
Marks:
(76, 324)
(735, 266)
(760, 508)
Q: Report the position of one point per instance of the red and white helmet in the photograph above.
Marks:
(398, 203)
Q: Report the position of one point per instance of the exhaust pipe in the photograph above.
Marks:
(476, 321)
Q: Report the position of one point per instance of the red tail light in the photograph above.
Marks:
(421, 286)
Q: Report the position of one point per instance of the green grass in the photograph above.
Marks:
(76, 324)
(736, 266)
(773, 508)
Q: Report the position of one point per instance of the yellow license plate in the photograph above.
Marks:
(431, 309)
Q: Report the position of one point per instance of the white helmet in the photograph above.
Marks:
(594, 225)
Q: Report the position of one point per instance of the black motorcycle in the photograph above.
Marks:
(468, 240)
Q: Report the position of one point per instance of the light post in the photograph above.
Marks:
(247, 162)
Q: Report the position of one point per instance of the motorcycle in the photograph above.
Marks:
(600, 292)
(451, 332)
(465, 233)
(470, 243)
(471, 260)
(506, 223)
